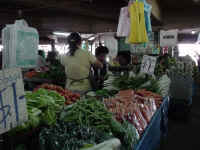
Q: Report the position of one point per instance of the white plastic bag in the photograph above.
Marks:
(123, 29)
(113, 144)
(111, 43)
(20, 45)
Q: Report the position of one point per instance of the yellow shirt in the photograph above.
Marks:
(77, 67)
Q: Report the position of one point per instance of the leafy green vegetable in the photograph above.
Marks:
(92, 113)
(43, 106)
(138, 82)
(70, 136)
(126, 132)
(56, 74)
(104, 93)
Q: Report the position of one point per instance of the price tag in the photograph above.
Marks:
(13, 110)
(148, 64)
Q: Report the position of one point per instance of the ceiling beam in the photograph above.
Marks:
(77, 23)
(181, 19)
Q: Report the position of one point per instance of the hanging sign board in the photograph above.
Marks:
(13, 110)
(168, 38)
(148, 64)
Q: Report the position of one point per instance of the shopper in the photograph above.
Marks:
(101, 53)
(41, 63)
(77, 65)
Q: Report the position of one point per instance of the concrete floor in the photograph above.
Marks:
(184, 135)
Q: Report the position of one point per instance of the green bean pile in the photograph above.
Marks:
(88, 112)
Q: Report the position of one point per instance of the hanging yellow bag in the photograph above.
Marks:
(138, 32)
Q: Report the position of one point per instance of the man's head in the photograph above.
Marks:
(124, 58)
(101, 53)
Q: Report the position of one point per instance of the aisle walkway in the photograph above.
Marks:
(182, 135)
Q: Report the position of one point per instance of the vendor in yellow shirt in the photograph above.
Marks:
(77, 65)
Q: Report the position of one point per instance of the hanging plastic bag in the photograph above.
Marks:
(111, 43)
(123, 29)
(112, 144)
(138, 32)
(152, 106)
(20, 45)
(132, 118)
(147, 15)
(140, 117)
(146, 112)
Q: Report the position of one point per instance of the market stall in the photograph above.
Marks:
(45, 108)
(130, 112)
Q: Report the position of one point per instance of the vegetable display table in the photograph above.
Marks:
(157, 128)
(31, 83)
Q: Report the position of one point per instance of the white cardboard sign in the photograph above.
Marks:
(148, 64)
(168, 38)
(13, 110)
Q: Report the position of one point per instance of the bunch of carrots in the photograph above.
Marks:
(137, 107)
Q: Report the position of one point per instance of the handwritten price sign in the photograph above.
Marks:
(13, 110)
(148, 64)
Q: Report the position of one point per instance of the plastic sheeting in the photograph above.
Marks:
(157, 128)
(123, 29)
(20, 44)
(147, 14)
(138, 32)
(111, 43)
(113, 144)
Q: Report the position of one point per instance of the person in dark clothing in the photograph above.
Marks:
(101, 52)
(124, 58)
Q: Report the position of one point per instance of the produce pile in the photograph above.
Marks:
(148, 94)
(133, 107)
(164, 84)
(43, 107)
(31, 74)
(138, 82)
(71, 136)
(88, 112)
(164, 64)
(92, 113)
(56, 73)
(68, 95)
(71, 122)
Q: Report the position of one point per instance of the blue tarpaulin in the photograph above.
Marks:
(157, 129)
